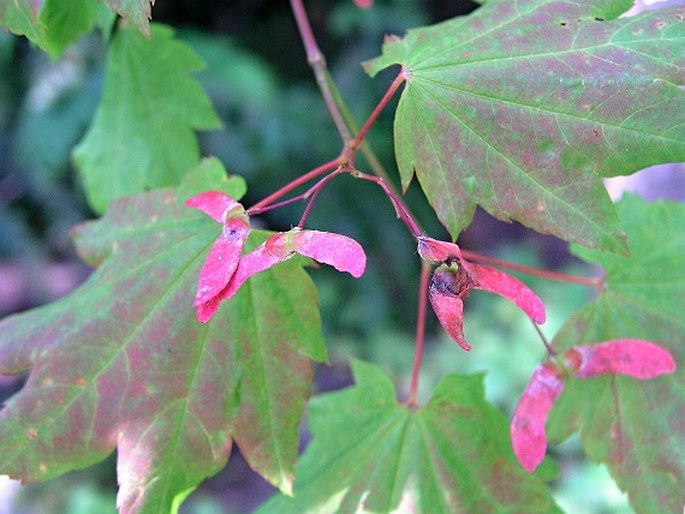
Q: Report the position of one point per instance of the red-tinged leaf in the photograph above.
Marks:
(445, 296)
(337, 250)
(636, 358)
(214, 204)
(530, 416)
(636, 427)
(522, 106)
(502, 284)
(122, 364)
(369, 453)
(435, 251)
(139, 12)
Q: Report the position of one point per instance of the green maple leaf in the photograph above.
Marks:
(636, 428)
(53, 25)
(142, 135)
(122, 362)
(523, 105)
(371, 454)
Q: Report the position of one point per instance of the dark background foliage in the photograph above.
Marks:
(275, 128)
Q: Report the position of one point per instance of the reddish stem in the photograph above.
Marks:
(400, 209)
(359, 139)
(548, 347)
(597, 282)
(261, 210)
(420, 333)
(330, 165)
(313, 192)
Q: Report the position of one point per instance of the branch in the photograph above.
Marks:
(420, 333)
(318, 63)
(596, 282)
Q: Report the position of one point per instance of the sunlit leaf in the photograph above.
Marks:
(371, 454)
(122, 363)
(523, 105)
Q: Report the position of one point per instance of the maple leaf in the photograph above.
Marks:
(121, 362)
(522, 106)
(52, 25)
(138, 11)
(370, 453)
(154, 144)
(636, 428)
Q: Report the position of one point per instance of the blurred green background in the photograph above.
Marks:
(275, 128)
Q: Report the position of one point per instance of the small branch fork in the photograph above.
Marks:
(344, 163)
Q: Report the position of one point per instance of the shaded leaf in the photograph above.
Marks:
(637, 428)
(153, 144)
(371, 454)
(21, 18)
(523, 105)
(53, 25)
(122, 363)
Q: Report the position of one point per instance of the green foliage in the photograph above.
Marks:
(629, 424)
(54, 24)
(142, 135)
(122, 362)
(372, 454)
(521, 107)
